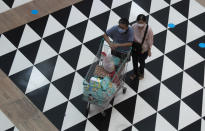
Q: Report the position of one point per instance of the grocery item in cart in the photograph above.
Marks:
(101, 72)
(108, 63)
(105, 83)
(108, 86)
(97, 95)
(116, 60)
(95, 82)
(116, 79)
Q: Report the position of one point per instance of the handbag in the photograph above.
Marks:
(137, 47)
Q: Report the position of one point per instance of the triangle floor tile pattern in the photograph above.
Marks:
(50, 66)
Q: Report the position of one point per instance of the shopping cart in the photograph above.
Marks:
(117, 79)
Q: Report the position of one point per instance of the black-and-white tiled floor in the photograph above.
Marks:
(48, 58)
(6, 124)
(6, 5)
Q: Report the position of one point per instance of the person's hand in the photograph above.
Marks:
(149, 53)
(116, 45)
(113, 46)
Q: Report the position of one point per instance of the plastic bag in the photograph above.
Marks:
(116, 60)
(108, 64)
(115, 80)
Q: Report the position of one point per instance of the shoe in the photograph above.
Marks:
(133, 76)
(141, 76)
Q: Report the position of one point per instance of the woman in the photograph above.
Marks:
(143, 40)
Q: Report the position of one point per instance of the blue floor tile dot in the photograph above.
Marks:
(171, 25)
(34, 12)
(202, 45)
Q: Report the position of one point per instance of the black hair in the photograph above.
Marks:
(124, 21)
(141, 17)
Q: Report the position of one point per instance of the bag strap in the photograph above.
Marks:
(144, 35)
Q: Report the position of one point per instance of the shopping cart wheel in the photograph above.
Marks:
(103, 113)
(124, 90)
(88, 108)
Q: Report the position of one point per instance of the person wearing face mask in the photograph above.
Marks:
(122, 36)
(141, 49)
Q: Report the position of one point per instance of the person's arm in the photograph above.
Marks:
(107, 39)
(150, 41)
(109, 33)
(128, 44)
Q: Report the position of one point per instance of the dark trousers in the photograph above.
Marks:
(139, 58)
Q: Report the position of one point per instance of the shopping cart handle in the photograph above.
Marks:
(122, 51)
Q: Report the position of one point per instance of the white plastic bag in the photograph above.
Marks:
(108, 63)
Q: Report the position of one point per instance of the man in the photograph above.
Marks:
(122, 36)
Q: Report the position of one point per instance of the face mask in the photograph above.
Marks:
(121, 30)
(141, 25)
